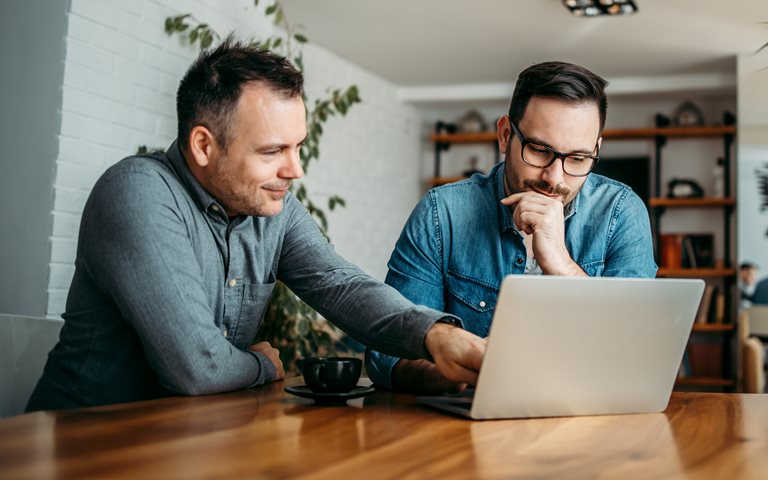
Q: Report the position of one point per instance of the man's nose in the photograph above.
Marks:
(292, 168)
(554, 173)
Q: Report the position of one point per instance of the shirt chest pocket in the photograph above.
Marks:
(253, 303)
(593, 269)
(471, 300)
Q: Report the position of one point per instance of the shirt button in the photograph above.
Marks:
(215, 208)
(482, 304)
(233, 283)
(226, 333)
(520, 260)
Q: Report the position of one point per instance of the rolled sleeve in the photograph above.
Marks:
(379, 368)
(267, 371)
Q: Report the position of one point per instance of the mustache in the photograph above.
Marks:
(546, 188)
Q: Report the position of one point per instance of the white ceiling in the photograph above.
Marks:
(438, 42)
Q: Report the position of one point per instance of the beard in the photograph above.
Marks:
(238, 197)
(517, 185)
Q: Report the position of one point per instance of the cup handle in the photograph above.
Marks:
(319, 374)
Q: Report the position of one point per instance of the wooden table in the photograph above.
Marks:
(267, 433)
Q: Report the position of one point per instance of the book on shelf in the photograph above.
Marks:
(671, 245)
(720, 307)
(687, 250)
(707, 312)
(698, 250)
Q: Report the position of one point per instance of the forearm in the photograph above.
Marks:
(566, 267)
(373, 313)
(370, 311)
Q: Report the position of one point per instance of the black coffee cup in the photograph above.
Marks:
(331, 374)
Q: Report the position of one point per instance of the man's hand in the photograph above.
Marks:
(542, 216)
(457, 353)
(273, 355)
(421, 377)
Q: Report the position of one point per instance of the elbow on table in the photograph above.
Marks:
(196, 382)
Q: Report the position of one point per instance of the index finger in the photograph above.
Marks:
(513, 199)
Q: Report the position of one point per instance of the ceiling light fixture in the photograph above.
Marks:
(593, 8)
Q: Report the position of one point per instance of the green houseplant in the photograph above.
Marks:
(289, 324)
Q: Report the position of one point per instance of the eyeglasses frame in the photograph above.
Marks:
(557, 155)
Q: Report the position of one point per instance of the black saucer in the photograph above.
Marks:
(322, 397)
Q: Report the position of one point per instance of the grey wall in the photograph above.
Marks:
(32, 51)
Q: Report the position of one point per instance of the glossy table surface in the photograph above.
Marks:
(267, 433)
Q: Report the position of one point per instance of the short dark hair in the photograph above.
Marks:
(210, 89)
(563, 81)
(748, 266)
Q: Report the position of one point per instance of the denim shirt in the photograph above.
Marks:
(169, 291)
(460, 242)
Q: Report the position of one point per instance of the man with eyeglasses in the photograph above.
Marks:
(540, 211)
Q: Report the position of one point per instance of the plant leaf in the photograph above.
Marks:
(271, 9)
(300, 38)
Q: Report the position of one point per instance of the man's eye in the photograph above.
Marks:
(576, 159)
(537, 149)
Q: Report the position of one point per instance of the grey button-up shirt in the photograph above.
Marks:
(168, 291)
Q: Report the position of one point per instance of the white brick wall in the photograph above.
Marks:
(120, 78)
(369, 158)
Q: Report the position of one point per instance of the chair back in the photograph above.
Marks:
(752, 349)
(758, 320)
(24, 346)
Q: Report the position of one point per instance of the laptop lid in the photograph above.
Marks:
(562, 346)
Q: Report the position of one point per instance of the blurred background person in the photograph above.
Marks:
(747, 283)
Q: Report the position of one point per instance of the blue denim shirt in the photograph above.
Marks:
(460, 242)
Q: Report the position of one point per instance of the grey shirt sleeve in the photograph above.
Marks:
(136, 247)
(370, 311)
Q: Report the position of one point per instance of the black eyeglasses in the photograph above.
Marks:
(542, 156)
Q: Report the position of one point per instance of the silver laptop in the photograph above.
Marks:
(562, 346)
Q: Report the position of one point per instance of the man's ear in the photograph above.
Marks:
(201, 145)
(503, 133)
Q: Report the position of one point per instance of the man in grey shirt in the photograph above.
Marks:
(178, 253)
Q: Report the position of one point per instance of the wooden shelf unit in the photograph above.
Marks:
(725, 340)
(696, 272)
(615, 134)
(713, 327)
(716, 382)
(706, 202)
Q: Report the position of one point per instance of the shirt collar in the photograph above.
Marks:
(204, 199)
(505, 213)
